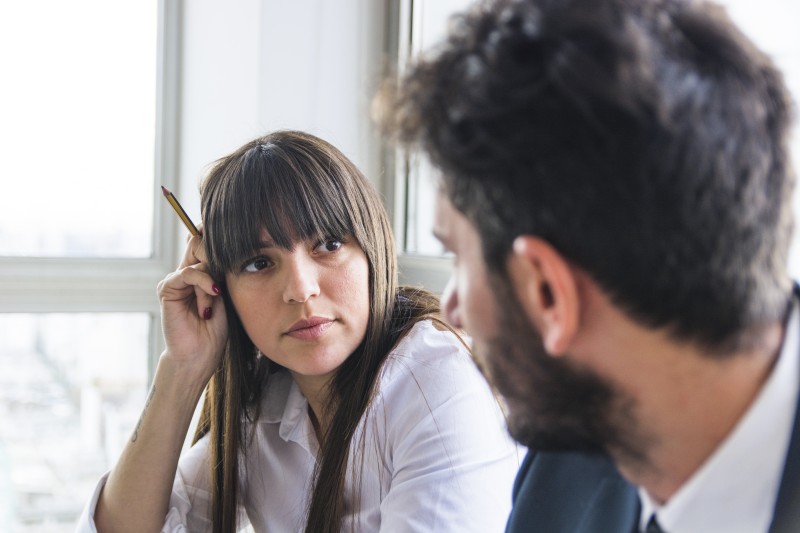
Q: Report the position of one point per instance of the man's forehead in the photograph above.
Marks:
(443, 216)
(449, 224)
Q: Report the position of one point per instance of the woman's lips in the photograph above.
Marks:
(310, 329)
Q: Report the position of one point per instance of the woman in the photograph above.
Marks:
(336, 401)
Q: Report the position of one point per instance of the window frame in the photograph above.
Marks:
(429, 271)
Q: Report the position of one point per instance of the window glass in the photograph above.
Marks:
(421, 195)
(71, 390)
(77, 128)
(429, 26)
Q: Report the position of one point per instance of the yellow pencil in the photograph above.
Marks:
(178, 209)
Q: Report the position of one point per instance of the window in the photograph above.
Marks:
(79, 129)
(71, 389)
(87, 129)
(423, 23)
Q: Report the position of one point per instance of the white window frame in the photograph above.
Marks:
(110, 285)
(429, 271)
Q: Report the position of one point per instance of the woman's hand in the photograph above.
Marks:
(193, 315)
(137, 493)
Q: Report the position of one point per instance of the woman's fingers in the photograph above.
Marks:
(192, 254)
(205, 300)
(187, 282)
(195, 251)
(192, 316)
(192, 272)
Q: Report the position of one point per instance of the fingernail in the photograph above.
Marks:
(215, 288)
(207, 313)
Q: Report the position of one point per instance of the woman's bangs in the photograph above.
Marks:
(293, 200)
(305, 202)
(232, 231)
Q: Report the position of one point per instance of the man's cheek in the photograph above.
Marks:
(479, 317)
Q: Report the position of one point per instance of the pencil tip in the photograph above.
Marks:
(166, 191)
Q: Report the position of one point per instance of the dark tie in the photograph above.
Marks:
(652, 525)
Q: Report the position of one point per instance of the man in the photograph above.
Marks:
(616, 193)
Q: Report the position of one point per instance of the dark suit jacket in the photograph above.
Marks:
(575, 493)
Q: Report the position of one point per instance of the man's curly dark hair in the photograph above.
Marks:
(646, 140)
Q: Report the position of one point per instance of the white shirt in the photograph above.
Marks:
(433, 452)
(736, 488)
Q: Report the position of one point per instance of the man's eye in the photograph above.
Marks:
(330, 245)
(254, 265)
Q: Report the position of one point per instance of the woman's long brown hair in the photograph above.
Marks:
(298, 187)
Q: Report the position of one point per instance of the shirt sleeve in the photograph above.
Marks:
(86, 520)
(190, 502)
(453, 463)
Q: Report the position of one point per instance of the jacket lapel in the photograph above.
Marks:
(572, 493)
(614, 507)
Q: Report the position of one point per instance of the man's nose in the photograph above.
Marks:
(450, 304)
(302, 279)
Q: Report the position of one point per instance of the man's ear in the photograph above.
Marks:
(546, 287)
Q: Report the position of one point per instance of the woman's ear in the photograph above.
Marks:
(546, 287)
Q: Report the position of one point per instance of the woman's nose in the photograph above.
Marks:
(302, 279)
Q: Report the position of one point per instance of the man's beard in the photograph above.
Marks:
(552, 405)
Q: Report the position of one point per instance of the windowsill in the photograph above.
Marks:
(425, 271)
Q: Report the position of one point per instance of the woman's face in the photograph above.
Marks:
(307, 308)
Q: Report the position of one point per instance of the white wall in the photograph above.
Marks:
(252, 66)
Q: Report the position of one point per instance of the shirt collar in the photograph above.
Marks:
(284, 404)
(736, 488)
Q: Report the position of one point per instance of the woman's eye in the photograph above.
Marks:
(331, 245)
(254, 265)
